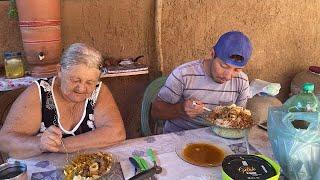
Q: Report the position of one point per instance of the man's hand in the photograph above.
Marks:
(193, 108)
(50, 140)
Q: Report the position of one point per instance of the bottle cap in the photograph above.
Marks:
(308, 87)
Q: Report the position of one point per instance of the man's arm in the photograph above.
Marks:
(166, 111)
(170, 105)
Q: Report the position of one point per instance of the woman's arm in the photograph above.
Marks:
(17, 136)
(109, 126)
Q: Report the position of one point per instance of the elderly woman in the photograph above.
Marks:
(69, 112)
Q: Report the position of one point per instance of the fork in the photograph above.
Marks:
(65, 149)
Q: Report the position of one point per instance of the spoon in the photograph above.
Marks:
(205, 108)
(65, 149)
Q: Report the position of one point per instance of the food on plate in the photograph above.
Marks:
(231, 117)
(88, 166)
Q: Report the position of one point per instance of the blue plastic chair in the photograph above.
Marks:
(149, 96)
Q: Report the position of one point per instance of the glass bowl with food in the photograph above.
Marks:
(202, 152)
(89, 166)
(230, 121)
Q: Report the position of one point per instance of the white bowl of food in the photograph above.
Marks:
(230, 121)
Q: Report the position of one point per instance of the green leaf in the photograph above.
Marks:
(13, 12)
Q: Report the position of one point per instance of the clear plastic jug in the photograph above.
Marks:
(305, 101)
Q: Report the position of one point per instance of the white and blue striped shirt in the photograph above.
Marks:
(189, 81)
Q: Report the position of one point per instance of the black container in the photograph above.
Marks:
(247, 167)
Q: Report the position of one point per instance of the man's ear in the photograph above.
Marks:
(212, 52)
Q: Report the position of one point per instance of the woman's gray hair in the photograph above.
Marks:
(80, 53)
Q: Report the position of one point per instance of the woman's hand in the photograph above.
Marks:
(50, 140)
(193, 108)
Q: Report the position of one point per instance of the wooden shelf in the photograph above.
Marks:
(11, 84)
(124, 74)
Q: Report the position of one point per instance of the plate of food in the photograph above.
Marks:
(89, 166)
(230, 121)
(202, 152)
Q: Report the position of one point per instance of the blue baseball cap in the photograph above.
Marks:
(233, 43)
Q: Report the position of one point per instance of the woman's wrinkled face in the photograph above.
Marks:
(223, 72)
(78, 82)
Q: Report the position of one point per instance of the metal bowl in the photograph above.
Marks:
(13, 171)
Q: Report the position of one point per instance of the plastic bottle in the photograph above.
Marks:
(305, 101)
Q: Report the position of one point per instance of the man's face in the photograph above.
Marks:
(222, 72)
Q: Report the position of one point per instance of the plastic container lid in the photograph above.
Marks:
(9, 55)
(309, 87)
(242, 166)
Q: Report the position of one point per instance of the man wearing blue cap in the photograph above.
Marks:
(197, 85)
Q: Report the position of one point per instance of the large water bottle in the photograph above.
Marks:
(305, 101)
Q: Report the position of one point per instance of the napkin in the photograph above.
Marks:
(259, 86)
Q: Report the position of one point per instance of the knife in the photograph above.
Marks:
(145, 174)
